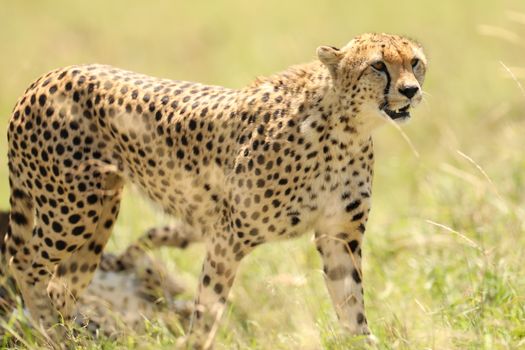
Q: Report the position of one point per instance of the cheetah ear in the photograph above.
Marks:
(330, 56)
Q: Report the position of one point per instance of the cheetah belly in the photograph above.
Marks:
(184, 195)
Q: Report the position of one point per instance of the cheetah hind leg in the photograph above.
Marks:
(178, 235)
(21, 255)
(51, 263)
(75, 273)
(21, 260)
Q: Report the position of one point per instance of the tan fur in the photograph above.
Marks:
(284, 156)
(127, 289)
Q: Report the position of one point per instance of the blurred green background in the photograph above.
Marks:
(445, 245)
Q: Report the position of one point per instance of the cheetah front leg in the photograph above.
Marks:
(340, 249)
(223, 256)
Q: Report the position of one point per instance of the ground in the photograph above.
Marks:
(457, 286)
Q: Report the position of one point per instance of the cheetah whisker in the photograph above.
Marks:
(426, 93)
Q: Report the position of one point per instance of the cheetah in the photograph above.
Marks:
(133, 286)
(126, 289)
(286, 155)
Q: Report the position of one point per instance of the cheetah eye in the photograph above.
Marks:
(414, 62)
(379, 66)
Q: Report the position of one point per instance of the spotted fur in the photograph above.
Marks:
(126, 289)
(286, 155)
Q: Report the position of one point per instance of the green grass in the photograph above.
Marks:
(444, 254)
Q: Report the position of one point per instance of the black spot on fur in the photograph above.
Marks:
(19, 218)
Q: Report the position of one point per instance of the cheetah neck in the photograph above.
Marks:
(302, 100)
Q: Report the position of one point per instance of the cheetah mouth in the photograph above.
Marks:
(401, 113)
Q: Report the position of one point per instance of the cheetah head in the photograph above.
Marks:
(377, 75)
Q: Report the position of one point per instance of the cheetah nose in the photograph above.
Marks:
(409, 91)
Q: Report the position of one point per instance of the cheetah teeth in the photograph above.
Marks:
(397, 114)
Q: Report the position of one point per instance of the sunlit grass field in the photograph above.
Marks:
(444, 254)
